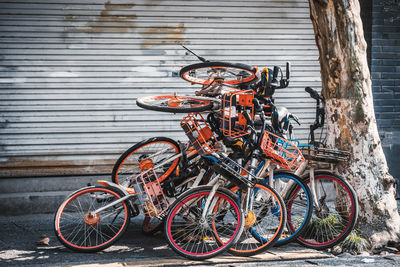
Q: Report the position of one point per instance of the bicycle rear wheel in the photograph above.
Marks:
(337, 213)
(208, 73)
(146, 154)
(264, 223)
(80, 230)
(194, 237)
(177, 104)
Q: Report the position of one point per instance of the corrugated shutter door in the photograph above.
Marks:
(70, 71)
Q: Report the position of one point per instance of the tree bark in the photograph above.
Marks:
(351, 124)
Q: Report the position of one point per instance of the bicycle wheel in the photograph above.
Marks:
(80, 230)
(209, 73)
(298, 201)
(264, 223)
(146, 154)
(194, 237)
(337, 215)
(177, 104)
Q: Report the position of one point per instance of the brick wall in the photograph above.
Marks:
(385, 72)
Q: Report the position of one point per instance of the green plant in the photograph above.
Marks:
(354, 243)
(317, 227)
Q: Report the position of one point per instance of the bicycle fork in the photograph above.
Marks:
(248, 205)
(210, 201)
(312, 186)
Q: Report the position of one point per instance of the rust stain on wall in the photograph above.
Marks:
(173, 35)
(109, 6)
(101, 25)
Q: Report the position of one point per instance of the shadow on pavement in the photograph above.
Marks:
(19, 238)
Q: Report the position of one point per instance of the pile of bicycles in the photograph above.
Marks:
(240, 184)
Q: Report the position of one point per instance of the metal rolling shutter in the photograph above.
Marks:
(70, 71)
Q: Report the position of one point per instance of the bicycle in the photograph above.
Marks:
(338, 214)
(93, 218)
(335, 201)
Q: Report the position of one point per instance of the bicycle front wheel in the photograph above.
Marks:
(80, 229)
(264, 222)
(177, 104)
(147, 154)
(196, 237)
(208, 73)
(335, 215)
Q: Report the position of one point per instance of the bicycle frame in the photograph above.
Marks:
(129, 193)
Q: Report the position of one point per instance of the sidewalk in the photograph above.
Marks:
(19, 234)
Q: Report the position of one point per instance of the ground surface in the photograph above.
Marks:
(19, 234)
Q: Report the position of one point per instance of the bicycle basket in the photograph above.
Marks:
(281, 151)
(324, 154)
(150, 194)
(233, 104)
(200, 135)
(234, 172)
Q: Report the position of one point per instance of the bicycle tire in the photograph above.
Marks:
(340, 211)
(128, 164)
(184, 219)
(76, 230)
(299, 206)
(264, 230)
(177, 104)
(202, 69)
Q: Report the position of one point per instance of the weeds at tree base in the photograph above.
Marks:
(323, 229)
(317, 229)
(355, 243)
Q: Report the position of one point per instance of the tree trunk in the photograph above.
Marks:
(351, 123)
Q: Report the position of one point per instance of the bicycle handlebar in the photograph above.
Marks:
(249, 120)
(257, 106)
(274, 81)
(283, 82)
(287, 71)
(319, 116)
(313, 93)
(257, 110)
